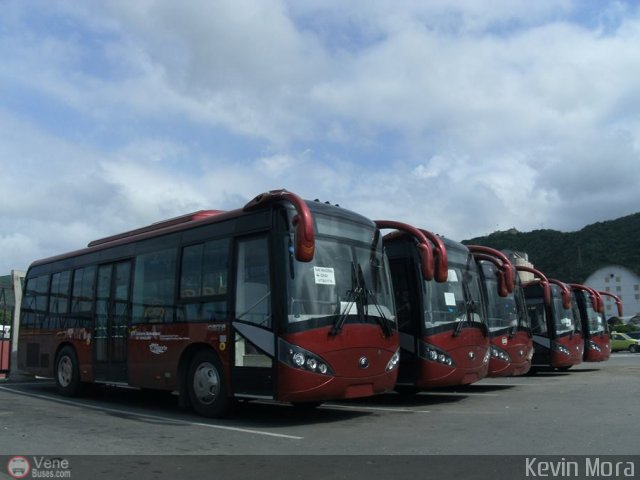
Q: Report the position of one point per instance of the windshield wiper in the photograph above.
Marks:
(359, 295)
(351, 298)
(381, 319)
(468, 305)
(458, 328)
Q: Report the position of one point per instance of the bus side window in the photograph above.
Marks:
(35, 302)
(203, 282)
(82, 292)
(60, 292)
(153, 290)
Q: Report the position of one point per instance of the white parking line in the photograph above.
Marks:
(153, 417)
(506, 385)
(461, 394)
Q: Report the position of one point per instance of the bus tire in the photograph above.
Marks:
(205, 384)
(67, 372)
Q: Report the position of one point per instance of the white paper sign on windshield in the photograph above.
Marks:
(453, 276)
(449, 299)
(324, 276)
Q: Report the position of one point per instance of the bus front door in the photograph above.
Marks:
(113, 311)
(409, 321)
(254, 339)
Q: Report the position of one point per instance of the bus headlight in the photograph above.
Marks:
(393, 362)
(499, 354)
(593, 346)
(560, 348)
(530, 354)
(298, 359)
(434, 354)
(487, 356)
(301, 359)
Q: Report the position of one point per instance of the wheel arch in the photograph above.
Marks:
(183, 369)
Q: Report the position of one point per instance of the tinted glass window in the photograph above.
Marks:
(204, 269)
(83, 287)
(253, 289)
(36, 294)
(34, 302)
(59, 301)
(537, 318)
(154, 287)
(203, 282)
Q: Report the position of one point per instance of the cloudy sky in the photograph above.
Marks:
(461, 117)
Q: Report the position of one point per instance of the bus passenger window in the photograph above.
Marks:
(59, 292)
(35, 302)
(203, 282)
(153, 287)
(82, 293)
(204, 269)
(203, 312)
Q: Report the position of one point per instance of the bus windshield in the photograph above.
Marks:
(347, 280)
(596, 321)
(459, 298)
(564, 318)
(521, 305)
(503, 312)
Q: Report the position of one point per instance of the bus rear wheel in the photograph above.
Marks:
(205, 383)
(67, 372)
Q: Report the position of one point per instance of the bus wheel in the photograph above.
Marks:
(67, 372)
(205, 382)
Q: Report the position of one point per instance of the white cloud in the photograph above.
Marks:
(458, 117)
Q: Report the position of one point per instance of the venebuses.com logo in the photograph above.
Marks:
(38, 467)
(18, 467)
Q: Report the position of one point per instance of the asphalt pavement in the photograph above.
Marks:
(591, 411)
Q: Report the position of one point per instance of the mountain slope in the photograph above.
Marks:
(573, 256)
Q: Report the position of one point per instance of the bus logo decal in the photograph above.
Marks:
(157, 349)
(363, 362)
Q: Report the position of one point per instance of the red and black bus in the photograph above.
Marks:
(597, 339)
(283, 299)
(509, 329)
(441, 315)
(616, 298)
(554, 323)
(567, 304)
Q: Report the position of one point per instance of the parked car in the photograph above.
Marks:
(622, 341)
(635, 334)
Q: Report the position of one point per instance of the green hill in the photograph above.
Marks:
(573, 256)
